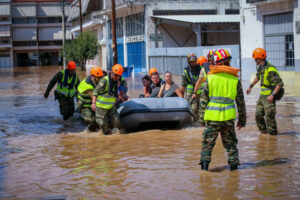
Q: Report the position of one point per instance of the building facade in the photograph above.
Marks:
(31, 31)
(144, 25)
(275, 26)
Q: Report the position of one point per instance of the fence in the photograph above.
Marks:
(175, 59)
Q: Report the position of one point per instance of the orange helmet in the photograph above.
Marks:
(201, 60)
(221, 55)
(117, 69)
(71, 65)
(96, 71)
(259, 53)
(152, 70)
(210, 55)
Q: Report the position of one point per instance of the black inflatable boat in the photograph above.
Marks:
(140, 112)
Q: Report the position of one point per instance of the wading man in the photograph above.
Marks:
(221, 90)
(105, 98)
(271, 84)
(85, 95)
(67, 83)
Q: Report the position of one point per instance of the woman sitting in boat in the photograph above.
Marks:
(146, 82)
(169, 88)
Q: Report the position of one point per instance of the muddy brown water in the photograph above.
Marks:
(43, 157)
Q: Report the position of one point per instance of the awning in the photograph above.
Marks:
(202, 18)
(74, 9)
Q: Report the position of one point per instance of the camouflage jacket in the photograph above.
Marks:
(101, 87)
(195, 71)
(273, 77)
(240, 102)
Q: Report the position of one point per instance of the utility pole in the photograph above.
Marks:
(64, 32)
(80, 17)
(113, 32)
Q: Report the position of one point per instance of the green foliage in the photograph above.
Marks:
(81, 49)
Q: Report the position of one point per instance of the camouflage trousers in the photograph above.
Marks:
(66, 106)
(107, 118)
(89, 119)
(229, 141)
(265, 115)
(195, 104)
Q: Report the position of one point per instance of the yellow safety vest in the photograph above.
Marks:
(105, 100)
(265, 83)
(69, 89)
(190, 86)
(82, 88)
(222, 94)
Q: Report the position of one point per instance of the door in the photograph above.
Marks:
(279, 40)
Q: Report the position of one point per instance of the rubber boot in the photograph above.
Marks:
(233, 167)
(204, 165)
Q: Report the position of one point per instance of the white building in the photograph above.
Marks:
(145, 25)
(275, 26)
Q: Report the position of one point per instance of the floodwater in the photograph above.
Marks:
(44, 157)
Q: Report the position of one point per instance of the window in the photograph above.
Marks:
(24, 20)
(24, 43)
(232, 11)
(50, 43)
(119, 28)
(49, 20)
(279, 40)
(135, 25)
(4, 19)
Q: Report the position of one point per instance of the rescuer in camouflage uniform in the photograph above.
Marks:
(271, 83)
(85, 95)
(104, 99)
(217, 112)
(189, 77)
(67, 83)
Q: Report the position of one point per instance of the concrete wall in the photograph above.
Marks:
(252, 35)
(174, 59)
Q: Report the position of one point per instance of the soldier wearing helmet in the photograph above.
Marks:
(105, 98)
(85, 95)
(271, 85)
(189, 77)
(217, 112)
(67, 83)
(203, 62)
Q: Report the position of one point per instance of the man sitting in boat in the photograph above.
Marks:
(169, 89)
(156, 84)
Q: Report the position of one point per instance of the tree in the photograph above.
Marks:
(83, 48)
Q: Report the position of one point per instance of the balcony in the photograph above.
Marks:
(259, 2)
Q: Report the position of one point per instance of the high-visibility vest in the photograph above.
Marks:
(67, 87)
(222, 93)
(191, 84)
(265, 83)
(105, 100)
(82, 88)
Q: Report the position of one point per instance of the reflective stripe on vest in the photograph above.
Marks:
(190, 87)
(265, 83)
(222, 93)
(85, 98)
(63, 89)
(105, 100)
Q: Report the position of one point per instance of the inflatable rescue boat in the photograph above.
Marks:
(140, 112)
